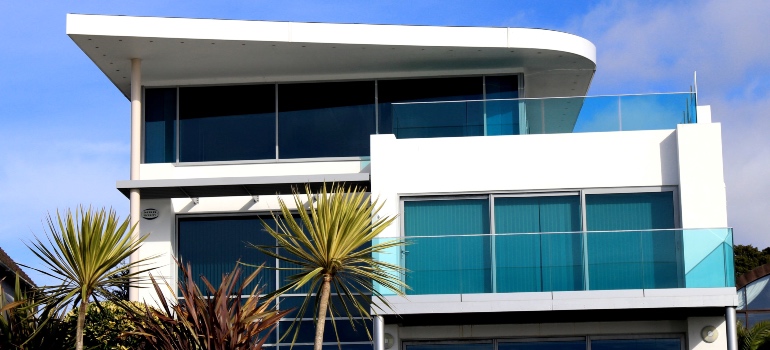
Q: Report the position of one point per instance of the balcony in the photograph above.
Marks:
(543, 115)
(572, 261)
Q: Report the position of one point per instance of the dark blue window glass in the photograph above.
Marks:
(160, 125)
(637, 344)
(331, 347)
(451, 346)
(213, 245)
(295, 303)
(227, 123)
(544, 345)
(325, 119)
(634, 256)
(431, 119)
(347, 332)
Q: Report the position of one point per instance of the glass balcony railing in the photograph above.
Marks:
(542, 115)
(573, 261)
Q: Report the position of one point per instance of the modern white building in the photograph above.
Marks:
(536, 219)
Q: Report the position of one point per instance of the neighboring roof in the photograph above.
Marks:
(9, 266)
(185, 51)
(752, 276)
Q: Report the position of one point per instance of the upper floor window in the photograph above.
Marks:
(310, 120)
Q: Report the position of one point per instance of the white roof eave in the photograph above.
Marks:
(181, 51)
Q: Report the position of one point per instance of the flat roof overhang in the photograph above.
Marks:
(183, 51)
(237, 186)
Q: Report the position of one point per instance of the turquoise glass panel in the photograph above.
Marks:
(615, 260)
(656, 111)
(589, 114)
(448, 265)
(632, 259)
(502, 116)
(469, 270)
(707, 253)
(533, 262)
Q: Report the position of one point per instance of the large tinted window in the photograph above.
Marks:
(457, 228)
(431, 120)
(639, 255)
(502, 114)
(227, 123)
(160, 125)
(325, 119)
(213, 245)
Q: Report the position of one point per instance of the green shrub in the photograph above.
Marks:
(106, 327)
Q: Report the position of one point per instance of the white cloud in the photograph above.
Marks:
(645, 48)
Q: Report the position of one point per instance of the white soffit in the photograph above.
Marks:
(183, 51)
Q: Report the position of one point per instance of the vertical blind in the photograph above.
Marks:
(428, 259)
(520, 258)
(527, 261)
(638, 258)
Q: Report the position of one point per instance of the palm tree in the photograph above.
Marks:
(84, 252)
(755, 337)
(331, 247)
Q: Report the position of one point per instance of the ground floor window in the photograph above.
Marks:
(666, 342)
(212, 244)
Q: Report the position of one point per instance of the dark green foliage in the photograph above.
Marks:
(105, 327)
(22, 327)
(219, 319)
(754, 338)
(748, 257)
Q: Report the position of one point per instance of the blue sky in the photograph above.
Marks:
(64, 128)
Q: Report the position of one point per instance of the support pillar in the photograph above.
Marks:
(136, 153)
(378, 334)
(732, 328)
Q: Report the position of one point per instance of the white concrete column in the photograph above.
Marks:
(136, 154)
(732, 328)
(378, 334)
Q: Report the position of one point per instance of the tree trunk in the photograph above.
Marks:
(81, 324)
(323, 304)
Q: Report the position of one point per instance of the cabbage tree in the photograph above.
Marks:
(331, 245)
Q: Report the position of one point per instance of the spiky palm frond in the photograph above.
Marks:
(84, 251)
(219, 319)
(333, 242)
(753, 338)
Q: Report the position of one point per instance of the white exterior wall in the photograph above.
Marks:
(689, 157)
(245, 168)
(161, 243)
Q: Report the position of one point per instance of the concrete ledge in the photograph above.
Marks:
(560, 301)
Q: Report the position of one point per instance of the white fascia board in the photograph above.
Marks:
(187, 28)
(551, 40)
(329, 33)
